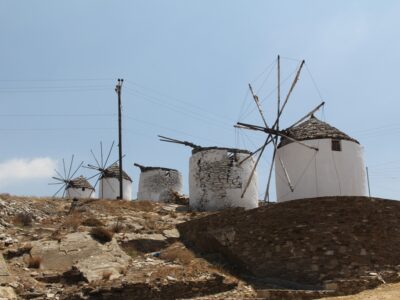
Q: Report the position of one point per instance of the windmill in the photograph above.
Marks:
(107, 174)
(65, 178)
(274, 131)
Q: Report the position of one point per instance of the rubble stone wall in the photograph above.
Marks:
(308, 241)
(157, 184)
(216, 180)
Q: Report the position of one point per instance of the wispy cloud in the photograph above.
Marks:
(22, 169)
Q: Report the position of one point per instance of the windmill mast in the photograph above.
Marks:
(118, 89)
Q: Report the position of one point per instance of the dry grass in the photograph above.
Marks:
(106, 275)
(178, 253)
(101, 234)
(34, 262)
(23, 219)
(92, 222)
(143, 205)
(73, 221)
(118, 226)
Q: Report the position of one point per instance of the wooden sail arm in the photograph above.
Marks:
(257, 102)
(296, 78)
(286, 174)
(307, 115)
(280, 133)
(249, 126)
(256, 151)
(170, 140)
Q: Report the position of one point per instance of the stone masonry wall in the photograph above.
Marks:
(309, 241)
(157, 184)
(217, 180)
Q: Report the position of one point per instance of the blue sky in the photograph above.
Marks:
(186, 66)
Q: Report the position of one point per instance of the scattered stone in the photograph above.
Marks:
(7, 293)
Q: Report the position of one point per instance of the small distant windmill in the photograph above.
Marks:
(273, 131)
(101, 164)
(105, 171)
(65, 178)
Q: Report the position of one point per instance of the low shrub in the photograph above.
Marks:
(101, 234)
(92, 222)
(23, 219)
(34, 262)
(177, 252)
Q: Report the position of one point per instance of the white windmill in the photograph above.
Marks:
(311, 158)
(108, 177)
(72, 187)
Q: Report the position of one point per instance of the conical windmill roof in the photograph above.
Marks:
(113, 172)
(313, 129)
(79, 182)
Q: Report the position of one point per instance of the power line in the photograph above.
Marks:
(190, 104)
(183, 111)
(56, 115)
(56, 79)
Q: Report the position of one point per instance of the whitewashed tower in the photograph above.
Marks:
(336, 169)
(109, 184)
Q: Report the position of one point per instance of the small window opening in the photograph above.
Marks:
(83, 189)
(336, 146)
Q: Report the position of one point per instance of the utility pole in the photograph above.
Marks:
(118, 89)
(369, 188)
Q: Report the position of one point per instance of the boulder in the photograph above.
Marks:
(81, 251)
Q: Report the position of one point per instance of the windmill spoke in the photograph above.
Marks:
(256, 100)
(115, 162)
(109, 184)
(80, 165)
(94, 176)
(266, 195)
(286, 175)
(59, 179)
(65, 170)
(278, 92)
(94, 156)
(55, 183)
(70, 167)
(296, 141)
(97, 181)
(296, 78)
(170, 140)
(249, 126)
(254, 169)
(256, 151)
(101, 153)
(56, 193)
(108, 156)
(58, 173)
(307, 115)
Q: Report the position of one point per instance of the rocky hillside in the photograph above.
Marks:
(303, 249)
(102, 250)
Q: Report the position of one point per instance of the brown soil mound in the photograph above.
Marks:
(308, 241)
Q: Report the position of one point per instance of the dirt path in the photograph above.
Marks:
(383, 292)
